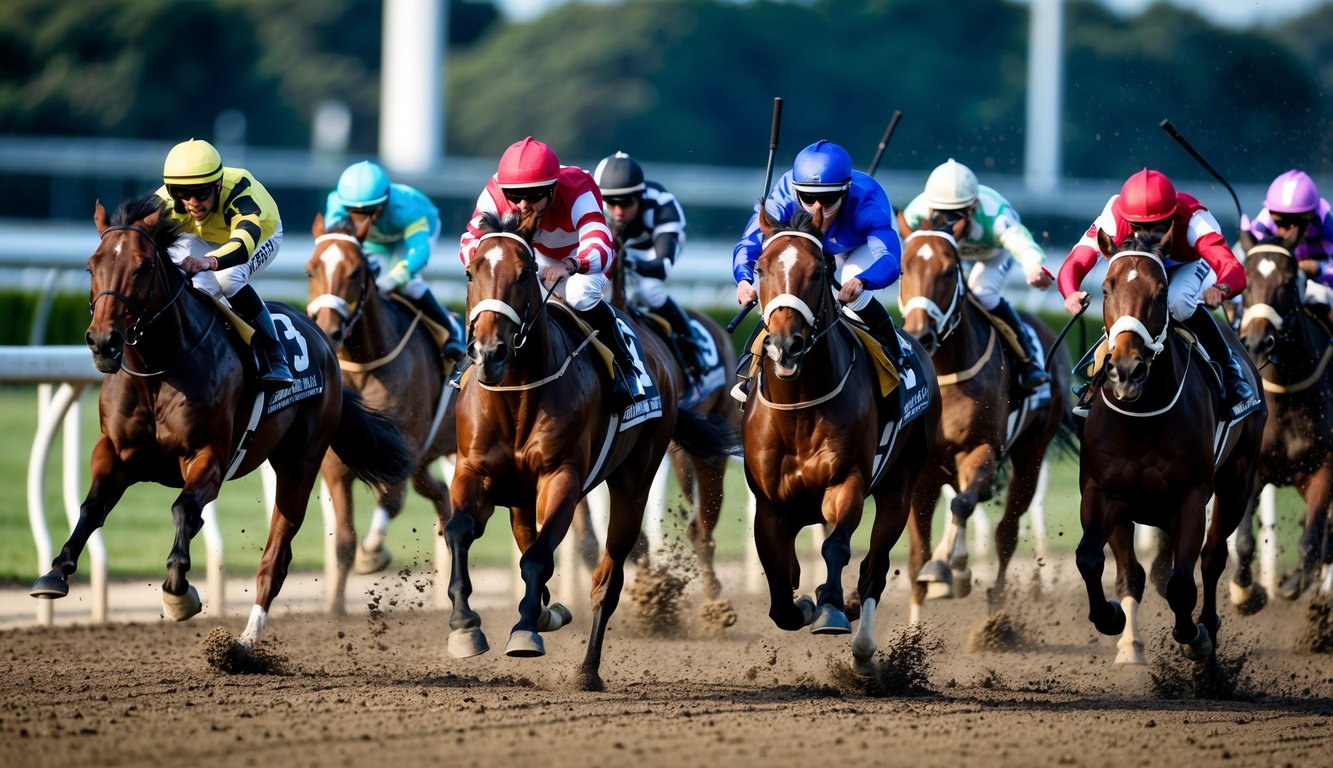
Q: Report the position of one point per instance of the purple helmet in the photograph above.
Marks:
(1292, 192)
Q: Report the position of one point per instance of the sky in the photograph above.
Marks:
(1237, 14)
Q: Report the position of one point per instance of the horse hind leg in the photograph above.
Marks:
(628, 497)
(1181, 591)
(372, 553)
(1247, 594)
(289, 508)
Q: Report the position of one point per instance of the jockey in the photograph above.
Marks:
(994, 238)
(1199, 255)
(859, 232)
(1294, 201)
(572, 243)
(402, 219)
(649, 224)
(230, 231)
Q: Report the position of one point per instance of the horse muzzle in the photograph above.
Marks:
(491, 361)
(108, 350)
(1127, 377)
(787, 353)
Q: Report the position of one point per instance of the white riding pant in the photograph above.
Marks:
(1185, 284)
(1314, 293)
(651, 291)
(382, 259)
(225, 282)
(986, 278)
(580, 291)
(851, 264)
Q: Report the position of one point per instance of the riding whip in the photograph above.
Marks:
(1173, 133)
(884, 142)
(768, 179)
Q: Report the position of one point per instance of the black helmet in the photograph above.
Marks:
(619, 176)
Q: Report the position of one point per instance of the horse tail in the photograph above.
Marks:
(705, 436)
(1066, 441)
(371, 445)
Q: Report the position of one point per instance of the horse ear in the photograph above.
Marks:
(1293, 238)
(766, 223)
(100, 217)
(1104, 243)
(1164, 245)
(363, 229)
(317, 228)
(1247, 240)
(151, 219)
(818, 219)
(903, 229)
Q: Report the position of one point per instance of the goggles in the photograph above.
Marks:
(201, 193)
(528, 194)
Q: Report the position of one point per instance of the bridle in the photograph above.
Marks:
(946, 320)
(820, 324)
(139, 311)
(350, 312)
(524, 319)
(1130, 323)
(1281, 323)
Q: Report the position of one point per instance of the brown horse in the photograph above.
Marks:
(1149, 456)
(987, 418)
(535, 434)
(821, 434)
(179, 408)
(701, 480)
(1292, 350)
(389, 357)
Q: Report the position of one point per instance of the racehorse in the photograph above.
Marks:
(1149, 456)
(180, 408)
(1292, 350)
(389, 357)
(986, 418)
(535, 434)
(822, 431)
(701, 480)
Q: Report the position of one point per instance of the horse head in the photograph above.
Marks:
(1134, 307)
(504, 294)
(1272, 296)
(794, 278)
(931, 289)
(340, 277)
(133, 283)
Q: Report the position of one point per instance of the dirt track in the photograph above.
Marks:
(379, 688)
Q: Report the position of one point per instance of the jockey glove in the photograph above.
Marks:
(395, 279)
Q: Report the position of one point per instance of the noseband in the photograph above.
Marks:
(1133, 324)
(139, 311)
(792, 301)
(524, 319)
(1268, 311)
(349, 312)
(946, 320)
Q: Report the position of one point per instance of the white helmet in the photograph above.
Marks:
(951, 186)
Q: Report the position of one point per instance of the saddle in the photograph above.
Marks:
(438, 333)
(570, 319)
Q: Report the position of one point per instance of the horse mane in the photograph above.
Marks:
(135, 210)
(511, 223)
(343, 226)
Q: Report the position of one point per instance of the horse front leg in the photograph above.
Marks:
(1025, 464)
(976, 484)
(372, 554)
(709, 476)
(1248, 595)
(557, 496)
(1312, 549)
(775, 543)
(108, 484)
(338, 480)
(203, 476)
(1098, 523)
(892, 509)
(1130, 582)
(1181, 591)
(842, 507)
(472, 510)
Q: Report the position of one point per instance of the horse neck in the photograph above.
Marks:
(967, 343)
(178, 327)
(1298, 352)
(375, 333)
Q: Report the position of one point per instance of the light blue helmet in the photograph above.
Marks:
(822, 167)
(363, 185)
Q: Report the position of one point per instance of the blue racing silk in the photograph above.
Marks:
(409, 217)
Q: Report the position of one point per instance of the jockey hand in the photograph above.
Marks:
(1040, 278)
(193, 265)
(557, 272)
(746, 294)
(1309, 266)
(1076, 301)
(851, 290)
(1213, 296)
(394, 279)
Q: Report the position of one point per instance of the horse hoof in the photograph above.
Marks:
(1115, 624)
(182, 607)
(554, 617)
(50, 586)
(371, 562)
(466, 643)
(524, 644)
(1293, 586)
(806, 605)
(1131, 653)
(863, 667)
(934, 572)
(1248, 600)
(1201, 647)
(831, 621)
(962, 582)
(939, 590)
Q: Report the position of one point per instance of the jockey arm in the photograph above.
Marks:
(666, 246)
(246, 232)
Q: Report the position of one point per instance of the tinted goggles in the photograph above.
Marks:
(201, 193)
(529, 194)
(620, 201)
(826, 199)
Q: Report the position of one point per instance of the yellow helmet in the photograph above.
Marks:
(192, 162)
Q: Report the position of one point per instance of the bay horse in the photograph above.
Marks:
(987, 418)
(1154, 450)
(391, 359)
(701, 480)
(1292, 350)
(821, 435)
(535, 434)
(179, 407)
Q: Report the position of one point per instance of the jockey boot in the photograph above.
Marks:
(625, 386)
(270, 357)
(741, 390)
(454, 347)
(1030, 373)
(671, 312)
(878, 321)
(1238, 393)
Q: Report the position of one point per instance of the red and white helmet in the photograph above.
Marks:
(527, 163)
(1147, 196)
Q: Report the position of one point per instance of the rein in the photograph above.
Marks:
(1184, 376)
(1131, 324)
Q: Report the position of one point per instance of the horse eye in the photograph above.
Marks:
(758, 271)
(308, 275)
(468, 273)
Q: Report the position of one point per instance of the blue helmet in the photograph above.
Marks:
(363, 185)
(822, 167)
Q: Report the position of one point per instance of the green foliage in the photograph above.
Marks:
(66, 323)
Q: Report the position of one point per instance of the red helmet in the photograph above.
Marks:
(528, 163)
(1147, 196)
